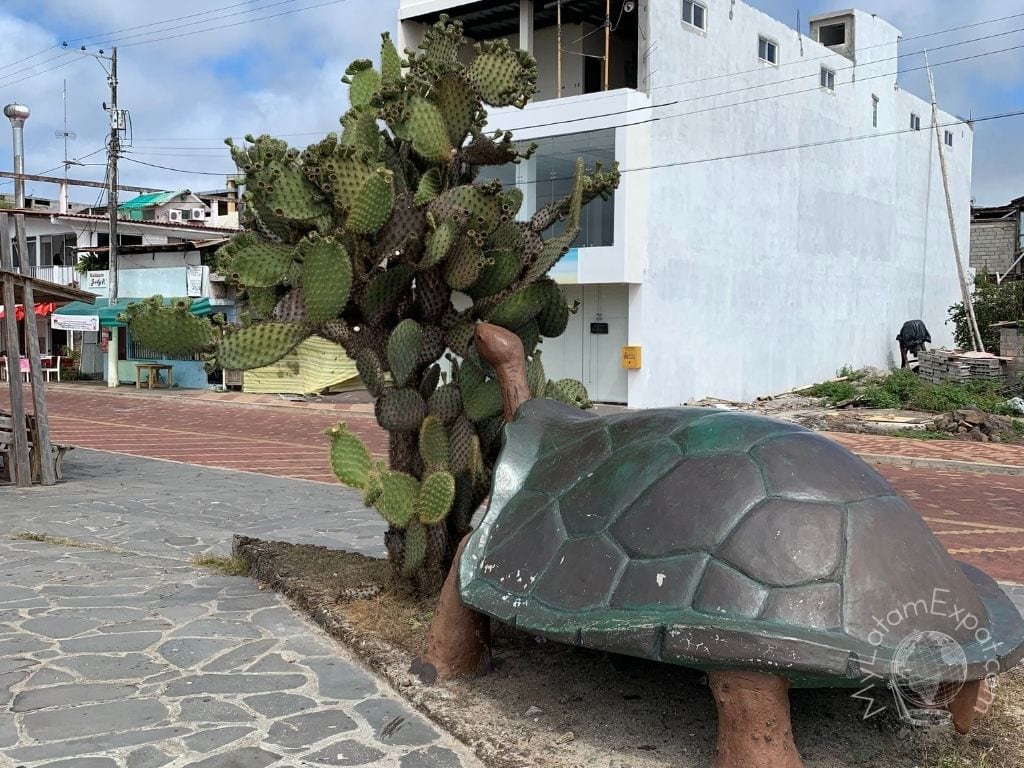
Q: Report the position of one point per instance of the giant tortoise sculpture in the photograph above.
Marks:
(754, 549)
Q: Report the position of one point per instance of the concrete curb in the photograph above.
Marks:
(946, 464)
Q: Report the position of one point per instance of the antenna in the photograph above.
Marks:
(66, 134)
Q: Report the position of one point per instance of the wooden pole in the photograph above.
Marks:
(972, 321)
(42, 445)
(22, 473)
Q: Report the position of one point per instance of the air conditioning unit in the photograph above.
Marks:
(174, 215)
(198, 213)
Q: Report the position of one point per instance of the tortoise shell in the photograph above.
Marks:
(719, 539)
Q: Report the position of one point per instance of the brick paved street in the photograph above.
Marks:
(979, 517)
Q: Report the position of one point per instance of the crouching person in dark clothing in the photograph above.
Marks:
(912, 338)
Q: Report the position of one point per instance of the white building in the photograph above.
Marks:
(779, 215)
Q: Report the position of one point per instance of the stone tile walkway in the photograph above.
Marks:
(121, 654)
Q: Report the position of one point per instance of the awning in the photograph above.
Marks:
(43, 309)
(313, 366)
(108, 313)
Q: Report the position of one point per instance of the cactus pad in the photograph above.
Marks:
(415, 549)
(484, 402)
(363, 81)
(350, 458)
(426, 131)
(404, 350)
(400, 410)
(433, 444)
(385, 289)
(259, 263)
(445, 403)
(398, 490)
(371, 372)
(554, 315)
(372, 206)
(501, 76)
(435, 498)
(326, 279)
(259, 345)
(172, 331)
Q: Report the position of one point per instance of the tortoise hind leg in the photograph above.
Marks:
(754, 729)
(973, 699)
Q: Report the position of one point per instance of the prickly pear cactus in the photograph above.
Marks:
(363, 237)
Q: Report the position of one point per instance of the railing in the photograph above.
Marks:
(137, 351)
(59, 275)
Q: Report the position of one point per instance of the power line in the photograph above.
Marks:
(180, 170)
(156, 23)
(864, 48)
(236, 24)
(675, 102)
(42, 72)
(792, 147)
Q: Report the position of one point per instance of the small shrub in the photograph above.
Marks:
(833, 391)
(992, 304)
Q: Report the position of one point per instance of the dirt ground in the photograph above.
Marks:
(547, 705)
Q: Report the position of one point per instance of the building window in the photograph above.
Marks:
(767, 50)
(874, 111)
(915, 122)
(948, 138)
(828, 79)
(695, 14)
(832, 34)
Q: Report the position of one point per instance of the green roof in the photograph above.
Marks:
(108, 313)
(145, 201)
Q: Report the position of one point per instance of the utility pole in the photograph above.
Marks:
(113, 152)
(972, 321)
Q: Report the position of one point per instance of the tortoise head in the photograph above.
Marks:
(498, 346)
(504, 351)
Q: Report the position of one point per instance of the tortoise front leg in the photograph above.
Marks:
(754, 729)
(458, 642)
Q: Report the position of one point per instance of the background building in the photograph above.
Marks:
(781, 211)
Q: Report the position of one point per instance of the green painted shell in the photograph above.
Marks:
(717, 539)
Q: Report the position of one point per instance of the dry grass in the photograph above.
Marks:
(997, 739)
(61, 541)
(396, 619)
(226, 566)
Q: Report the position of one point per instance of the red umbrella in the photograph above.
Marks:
(43, 309)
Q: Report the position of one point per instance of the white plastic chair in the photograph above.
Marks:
(48, 372)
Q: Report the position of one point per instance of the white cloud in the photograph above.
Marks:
(282, 76)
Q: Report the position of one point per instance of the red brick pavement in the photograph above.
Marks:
(948, 450)
(979, 517)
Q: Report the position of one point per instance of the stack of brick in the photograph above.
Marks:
(942, 365)
(1011, 345)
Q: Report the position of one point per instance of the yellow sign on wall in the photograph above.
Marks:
(631, 358)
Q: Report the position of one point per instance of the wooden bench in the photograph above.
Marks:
(7, 449)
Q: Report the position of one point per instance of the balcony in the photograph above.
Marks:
(54, 274)
(578, 49)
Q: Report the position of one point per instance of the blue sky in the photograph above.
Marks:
(230, 68)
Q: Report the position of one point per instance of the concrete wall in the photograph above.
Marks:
(993, 245)
(754, 270)
(770, 271)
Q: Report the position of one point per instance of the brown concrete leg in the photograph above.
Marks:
(458, 643)
(754, 729)
(973, 700)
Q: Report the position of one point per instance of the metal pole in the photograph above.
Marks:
(112, 155)
(22, 474)
(607, 41)
(558, 95)
(41, 439)
(972, 321)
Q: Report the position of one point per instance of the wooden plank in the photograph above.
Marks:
(22, 474)
(42, 445)
(73, 182)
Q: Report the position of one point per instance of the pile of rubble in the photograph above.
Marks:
(972, 424)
